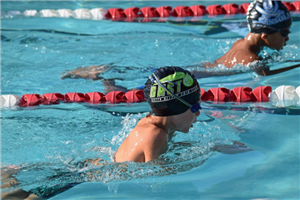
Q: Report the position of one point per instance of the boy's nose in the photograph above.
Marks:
(196, 115)
(287, 38)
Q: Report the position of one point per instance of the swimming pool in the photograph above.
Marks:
(49, 141)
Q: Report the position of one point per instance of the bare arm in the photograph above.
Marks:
(229, 60)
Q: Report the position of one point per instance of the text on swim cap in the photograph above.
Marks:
(157, 91)
(187, 79)
(180, 94)
(270, 14)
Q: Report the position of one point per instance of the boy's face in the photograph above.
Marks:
(184, 121)
(276, 40)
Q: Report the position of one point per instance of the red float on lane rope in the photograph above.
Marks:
(94, 97)
(244, 8)
(198, 10)
(149, 12)
(216, 10)
(115, 13)
(75, 97)
(218, 94)
(231, 8)
(289, 6)
(164, 11)
(296, 5)
(115, 97)
(30, 100)
(132, 12)
(241, 94)
(182, 11)
(261, 93)
(52, 98)
(135, 96)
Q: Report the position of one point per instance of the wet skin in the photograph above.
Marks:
(246, 50)
(149, 139)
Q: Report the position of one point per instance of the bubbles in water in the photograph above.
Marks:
(186, 151)
(129, 121)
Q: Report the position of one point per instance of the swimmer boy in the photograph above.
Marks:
(269, 23)
(174, 98)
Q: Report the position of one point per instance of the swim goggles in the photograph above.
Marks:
(194, 108)
(283, 32)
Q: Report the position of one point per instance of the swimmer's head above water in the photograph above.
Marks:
(268, 17)
(172, 91)
(269, 23)
(271, 20)
(173, 95)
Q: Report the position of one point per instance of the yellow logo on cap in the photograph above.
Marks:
(188, 80)
(172, 82)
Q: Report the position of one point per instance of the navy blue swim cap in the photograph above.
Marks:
(178, 81)
(263, 14)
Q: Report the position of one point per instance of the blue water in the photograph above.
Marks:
(50, 140)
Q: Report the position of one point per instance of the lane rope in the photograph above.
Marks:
(284, 95)
(147, 14)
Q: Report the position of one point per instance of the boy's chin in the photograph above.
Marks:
(185, 131)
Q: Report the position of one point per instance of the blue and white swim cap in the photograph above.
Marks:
(262, 14)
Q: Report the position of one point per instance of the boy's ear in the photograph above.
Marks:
(264, 37)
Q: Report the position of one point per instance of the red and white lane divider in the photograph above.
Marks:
(113, 97)
(239, 94)
(129, 14)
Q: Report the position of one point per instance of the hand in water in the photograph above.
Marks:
(110, 85)
(91, 72)
(236, 147)
(8, 181)
(7, 176)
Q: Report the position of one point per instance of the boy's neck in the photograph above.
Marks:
(162, 123)
(254, 42)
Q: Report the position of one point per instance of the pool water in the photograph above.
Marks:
(47, 142)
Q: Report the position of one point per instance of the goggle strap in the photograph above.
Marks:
(269, 27)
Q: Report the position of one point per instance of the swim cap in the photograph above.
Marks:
(262, 14)
(180, 82)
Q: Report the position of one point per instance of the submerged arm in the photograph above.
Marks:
(224, 66)
(91, 72)
(236, 147)
(110, 85)
(268, 72)
(206, 71)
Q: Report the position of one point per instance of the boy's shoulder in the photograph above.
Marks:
(152, 133)
(153, 141)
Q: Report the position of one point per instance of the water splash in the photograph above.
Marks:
(186, 151)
